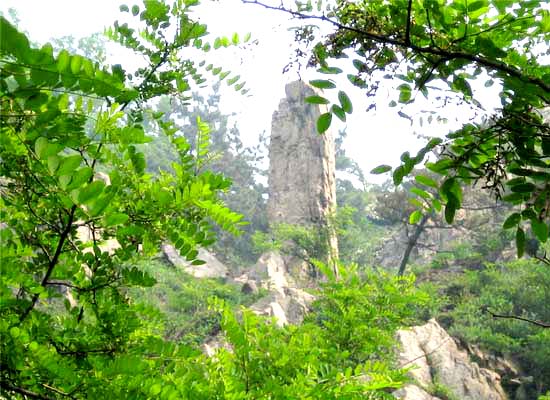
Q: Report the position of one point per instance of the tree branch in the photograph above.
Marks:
(53, 262)
(24, 392)
(409, 22)
(450, 55)
(530, 321)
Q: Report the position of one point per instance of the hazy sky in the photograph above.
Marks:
(373, 138)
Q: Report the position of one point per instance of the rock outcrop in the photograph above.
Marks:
(302, 184)
(285, 302)
(438, 362)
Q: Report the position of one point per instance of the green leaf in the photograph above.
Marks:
(398, 175)
(235, 38)
(53, 164)
(64, 181)
(441, 166)
(323, 122)
(76, 63)
(339, 112)
(155, 389)
(512, 221)
(529, 213)
(405, 93)
(191, 255)
(322, 84)
(329, 70)
(426, 181)
(520, 242)
(452, 190)
(421, 193)
(15, 332)
(135, 10)
(69, 164)
(115, 219)
(316, 100)
(450, 210)
(123, 8)
(540, 229)
(81, 176)
(436, 204)
(91, 191)
(233, 80)
(523, 188)
(415, 217)
(40, 146)
(63, 61)
(345, 102)
(99, 204)
(381, 169)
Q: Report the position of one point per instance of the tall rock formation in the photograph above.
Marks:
(302, 185)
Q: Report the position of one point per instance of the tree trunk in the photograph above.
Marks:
(411, 242)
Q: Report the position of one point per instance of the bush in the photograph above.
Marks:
(184, 301)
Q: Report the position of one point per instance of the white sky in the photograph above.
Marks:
(373, 138)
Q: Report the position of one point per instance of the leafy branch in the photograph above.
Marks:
(404, 43)
(53, 262)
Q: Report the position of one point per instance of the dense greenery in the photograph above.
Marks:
(227, 155)
(185, 302)
(94, 176)
(66, 228)
(80, 209)
(320, 359)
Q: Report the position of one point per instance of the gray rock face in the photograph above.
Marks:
(302, 185)
(285, 302)
(437, 360)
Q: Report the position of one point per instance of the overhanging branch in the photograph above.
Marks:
(495, 65)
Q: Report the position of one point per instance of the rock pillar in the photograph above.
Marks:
(302, 185)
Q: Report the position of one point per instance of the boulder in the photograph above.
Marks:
(285, 302)
(271, 271)
(437, 360)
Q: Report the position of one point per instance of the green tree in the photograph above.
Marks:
(478, 226)
(437, 46)
(228, 156)
(52, 191)
(358, 233)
